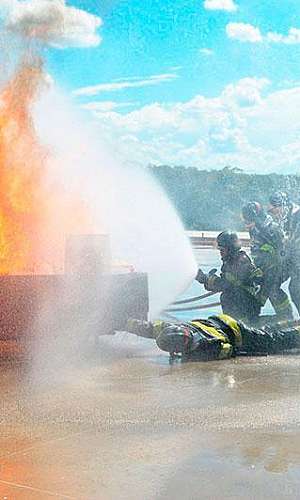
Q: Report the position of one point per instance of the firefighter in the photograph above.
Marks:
(237, 282)
(285, 212)
(267, 242)
(288, 215)
(218, 337)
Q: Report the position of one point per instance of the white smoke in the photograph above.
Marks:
(51, 22)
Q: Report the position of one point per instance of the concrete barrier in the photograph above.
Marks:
(207, 239)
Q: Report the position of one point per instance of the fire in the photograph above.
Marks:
(28, 242)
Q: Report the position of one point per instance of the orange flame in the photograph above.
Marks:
(27, 202)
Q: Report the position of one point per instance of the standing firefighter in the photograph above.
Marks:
(267, 253)
(218, 337)
(288, 215)
(237, 282)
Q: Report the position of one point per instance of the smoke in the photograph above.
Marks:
(51, 22)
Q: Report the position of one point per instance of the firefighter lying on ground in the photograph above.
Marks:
(218, 337)
(237, 282)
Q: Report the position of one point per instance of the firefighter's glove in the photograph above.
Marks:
(201, 277)
(140, 328)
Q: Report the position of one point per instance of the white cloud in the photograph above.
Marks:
(293, 37)
(206, 52)
(52, 22)
(104, 106)
(227, 5)
(245, 93)
(243, 32)
(132, 82)
(247, 125)
(248, 33)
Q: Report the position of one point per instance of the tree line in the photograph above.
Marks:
(212, 199)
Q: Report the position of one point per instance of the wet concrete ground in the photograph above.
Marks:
(126, 425)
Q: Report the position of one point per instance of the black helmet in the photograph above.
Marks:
(174, 339)
(228, 239)
(279, 199)
(253, 212)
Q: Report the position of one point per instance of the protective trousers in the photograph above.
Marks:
(294, 289)
(271, 339)
(271, 266)
(293, 267)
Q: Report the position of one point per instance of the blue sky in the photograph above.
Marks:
(198, 82)
(151, 37)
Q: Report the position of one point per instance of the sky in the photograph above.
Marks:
(204, 83)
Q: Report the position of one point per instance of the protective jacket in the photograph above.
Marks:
(237, 284)
(218, 337)
(267, 241)
(267, 251)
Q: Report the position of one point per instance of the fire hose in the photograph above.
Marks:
(193, 299)
(203, 306)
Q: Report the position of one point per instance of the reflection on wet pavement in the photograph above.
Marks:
(125, 424)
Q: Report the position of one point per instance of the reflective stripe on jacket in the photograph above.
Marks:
(227, 342)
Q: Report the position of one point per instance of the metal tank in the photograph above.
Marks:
(92, 297)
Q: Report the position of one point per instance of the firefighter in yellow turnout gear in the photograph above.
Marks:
(218, 337)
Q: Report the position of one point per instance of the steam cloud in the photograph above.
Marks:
(51, 22)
